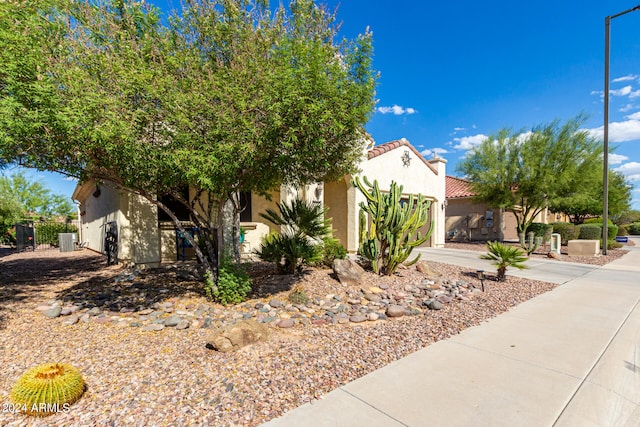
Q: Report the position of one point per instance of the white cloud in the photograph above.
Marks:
(468, 142)
(431, 151)
(628, 130)
(634, 116)
(597, 92)
(630, 170)
(635, 94)
(630, 77)
(626, 108)
(459, 129)
(397, 110)
(616, 159)
(621, 92)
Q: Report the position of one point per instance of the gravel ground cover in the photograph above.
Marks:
(169, 378)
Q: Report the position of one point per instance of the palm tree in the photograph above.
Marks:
(504, 256)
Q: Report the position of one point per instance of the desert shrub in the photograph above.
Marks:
(503, 256)
(332, 249)
(612, 230)
(298, 295)
(541, 230)
(634, 228)
(566, 230)
(590, 231)
(47, 232)
(622, 231)
(234, 284)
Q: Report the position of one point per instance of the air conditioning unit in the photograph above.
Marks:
(67, 241)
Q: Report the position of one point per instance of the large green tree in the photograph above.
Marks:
(525, 172)
(34, 198)
(584, 197)
(228, 96)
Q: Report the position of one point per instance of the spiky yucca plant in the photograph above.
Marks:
(48, 388)
(504, 256)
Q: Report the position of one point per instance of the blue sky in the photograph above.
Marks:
(452, 73)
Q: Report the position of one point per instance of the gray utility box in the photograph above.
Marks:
(67, 241)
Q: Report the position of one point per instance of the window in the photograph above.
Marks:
(178, 208)
(245, 207)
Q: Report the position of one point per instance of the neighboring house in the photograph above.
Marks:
(468, 219)
(145, 235)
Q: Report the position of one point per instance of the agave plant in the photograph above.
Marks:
(504, 256)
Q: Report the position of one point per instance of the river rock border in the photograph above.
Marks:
(355, 305)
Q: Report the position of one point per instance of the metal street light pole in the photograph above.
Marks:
(605, 180)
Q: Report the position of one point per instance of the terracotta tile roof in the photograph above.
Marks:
(457, 187)
(388, 146)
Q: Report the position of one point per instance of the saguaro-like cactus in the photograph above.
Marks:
(392, 233)
(530, 243)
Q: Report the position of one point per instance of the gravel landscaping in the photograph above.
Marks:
(164, 375)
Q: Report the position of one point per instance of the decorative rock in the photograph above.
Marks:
(554, 255)
(183, 324)
(427, 269)
(395, 310)
(135, 324)
(357, 318)
(71, 320)
(53, 312)
(172, 321)
(444, 299)
(373, 297)
(43, 307)
(94, 311)
(348, 272)
(373, 316)
(153, 327)
(85, 318)
(276, 303)
(285, 323)
(102, 320)
(238, 335)
(435, 305)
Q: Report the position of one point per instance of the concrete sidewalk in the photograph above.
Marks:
(570, 357)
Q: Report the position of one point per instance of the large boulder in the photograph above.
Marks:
(348, 272)
(237, 335)
(427, 268)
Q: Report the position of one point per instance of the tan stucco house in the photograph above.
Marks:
(146, 236)
(468, 219)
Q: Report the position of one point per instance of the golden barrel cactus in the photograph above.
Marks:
(47, 389)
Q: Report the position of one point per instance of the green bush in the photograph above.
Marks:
(622, 231)
(540, 230)
(9, 237)
(332, 249)
(590, 231)
(634, 228)
(566, 230)
(612, 231)
(596, 221)
(47, 232)
(234, 284)
(612, 244)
